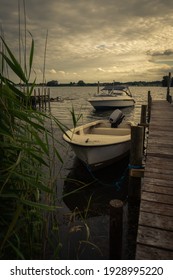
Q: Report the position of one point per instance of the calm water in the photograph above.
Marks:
(84, 197)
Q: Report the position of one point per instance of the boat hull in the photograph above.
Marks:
(108, 103)
(99, 156)
(97, 144)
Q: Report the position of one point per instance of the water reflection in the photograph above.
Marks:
(87, 194)
(83, 188)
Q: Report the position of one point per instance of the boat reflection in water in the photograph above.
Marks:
(87, 194)
(99, 187)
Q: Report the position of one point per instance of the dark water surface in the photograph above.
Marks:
(84, 196)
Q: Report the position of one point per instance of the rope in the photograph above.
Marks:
(117, 184)
(130, 166)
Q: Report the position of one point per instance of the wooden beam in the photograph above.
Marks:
(137, 172)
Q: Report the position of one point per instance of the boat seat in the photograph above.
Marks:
(110, 131)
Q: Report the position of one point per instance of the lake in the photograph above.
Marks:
(84, 196)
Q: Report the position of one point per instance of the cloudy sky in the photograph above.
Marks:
(95, 40)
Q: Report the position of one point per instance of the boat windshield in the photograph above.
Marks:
(116, 90)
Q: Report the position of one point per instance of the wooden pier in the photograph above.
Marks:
(155, 228)
(41, 99)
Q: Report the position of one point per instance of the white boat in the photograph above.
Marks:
(97, 143)
(112, 97)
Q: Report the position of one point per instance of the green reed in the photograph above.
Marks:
(28, 149)
(28, 153)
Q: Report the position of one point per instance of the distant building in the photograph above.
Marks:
(52, 83)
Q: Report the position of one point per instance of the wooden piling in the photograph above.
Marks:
(35, 100)
(143, 120)
(149, 105)
(136, 149)
(44, 98)
(135, 164)
(168, 96)
(39, 99)
(98, 87)
(116, 229)
(49, 99)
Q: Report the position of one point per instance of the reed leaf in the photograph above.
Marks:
(31, 55)
(19, 254)
(13, 63)
(58, 155)
(38, 158)
(12, 224)
(39, 205)
(40, 142)
(75, 117)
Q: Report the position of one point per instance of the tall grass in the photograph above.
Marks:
(27, 149)
(28, 152)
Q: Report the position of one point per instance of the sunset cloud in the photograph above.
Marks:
(95, 40)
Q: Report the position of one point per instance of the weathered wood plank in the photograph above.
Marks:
(155, 140)
(159, 151)
(137, 173)
(159, 169)
(152, 160)
(157, 189)
(161, 146)
(144, 252)
(157, 208)
(162, 127)
(158, 182)
(162, 198)
(157, 175)
(165, 135)
(156, 221)
(154, 237)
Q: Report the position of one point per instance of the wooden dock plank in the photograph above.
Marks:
(163, 176)
(157, 208)
(154, 237)
(155, 140)
(151, 160)
(145, 252)
(163, 169)
(157, 189)
(156, 220)
(158, 182)
(155, 228)
(162, 198)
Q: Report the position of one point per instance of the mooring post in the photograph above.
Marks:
(34, 104)
(136, 148)
(135, 164)
(168, 96)
(39, 99)
(44, 98)
(49, 99)
(116, 229)
(134, 187)
(143, 120)
(149, 105)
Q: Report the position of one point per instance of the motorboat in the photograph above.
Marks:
(112, 97)
(100, 142)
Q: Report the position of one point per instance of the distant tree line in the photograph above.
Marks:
(163, 83)
(82, 83)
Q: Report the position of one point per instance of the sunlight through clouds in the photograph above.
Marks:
(96, 40)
